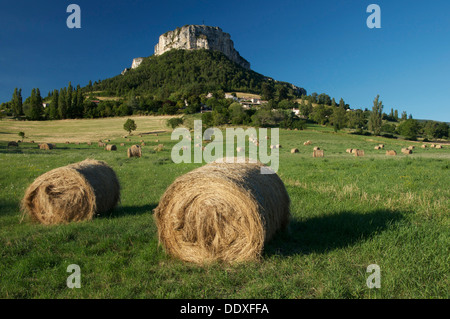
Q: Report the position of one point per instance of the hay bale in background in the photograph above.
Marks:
(318, 153)
(424, 146)
(89, 143)
(72, 193)
(410, 147)
(307, 143)
(13, 143)
(134, 151)
(377, 147)
(143, 144)
(381, 146)
(221, 212)
(316, 148)
(359, 153)
(439, 146)
(46, 146)
(349, 150)
(433, 145)
(406, 151)
(101, 144)
(354, 150)
(294, 150)
(391, 153)
(122, 144)
(159, 148)
(111, 147)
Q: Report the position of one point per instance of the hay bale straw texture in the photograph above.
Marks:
(439, 146)
(134, 151)
(46, 146)
(111, 147)
(318, 153)
(359, 153)
(222, 212)
(406, 151)
(294, 150)
(391, 153)
(72, 193)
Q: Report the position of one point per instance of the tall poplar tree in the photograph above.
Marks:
(376, 117)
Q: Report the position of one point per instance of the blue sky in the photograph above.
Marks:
(324, 46)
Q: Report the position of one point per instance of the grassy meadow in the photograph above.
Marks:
(347, 213)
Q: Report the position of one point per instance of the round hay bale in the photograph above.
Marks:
(13, 143)
(89, 143)
(307, 143)
(159, 148)
(111, 147)
(46, 146)
(316, 148)
(294, 150)
(122, 144)
(391, 153)
(349, 150)
(221, 212)
(101, 144)
(439, 146)
(134, 151)
(424, 146)
(72, 193)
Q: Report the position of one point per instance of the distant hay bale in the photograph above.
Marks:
(424, 146)
(129, 139)
(13, 143)
(359, 153)
(377, 147)
(46, 146)
(89, 143)
(349, 150)
(307, 143)
(67, 142)
(72, 193)
(318, 153)
(406, 151)
(294, 150)
(159, 148)
(381, 146)
(122, 144)
(316, 148)
(101, 144)
(222, 212)
(433, 145)
(410, 147)
(391, 153)
(134, 151)
(143, 144)
(354, 150)
(157, 141)
(439, 146)
(111, 147)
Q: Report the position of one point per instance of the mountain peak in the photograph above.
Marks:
(195, 37)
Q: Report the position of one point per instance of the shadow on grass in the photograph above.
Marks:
(326, 233)
(121, 211)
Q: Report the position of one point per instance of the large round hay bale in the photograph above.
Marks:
(294, 150)
(111, 147)
(222, 212)
(46, 146)
(134, 151)
(72, 193)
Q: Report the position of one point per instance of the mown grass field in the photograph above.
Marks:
(347, 213)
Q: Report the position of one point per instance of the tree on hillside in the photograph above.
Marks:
(267, 91)
(16, 102)
(129, 126)
(174, 122)
(62, 104)
(53, 107)
(34, 108)
(339, 118)
(376, 117)
(409, 129)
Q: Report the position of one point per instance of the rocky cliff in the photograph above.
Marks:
(193, 37)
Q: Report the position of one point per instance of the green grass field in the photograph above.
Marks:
(347, 213)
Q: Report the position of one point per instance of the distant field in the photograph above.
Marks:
(347, 213)
(83, 130)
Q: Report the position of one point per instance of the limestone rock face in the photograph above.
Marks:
(194, 37)
(136, 62)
